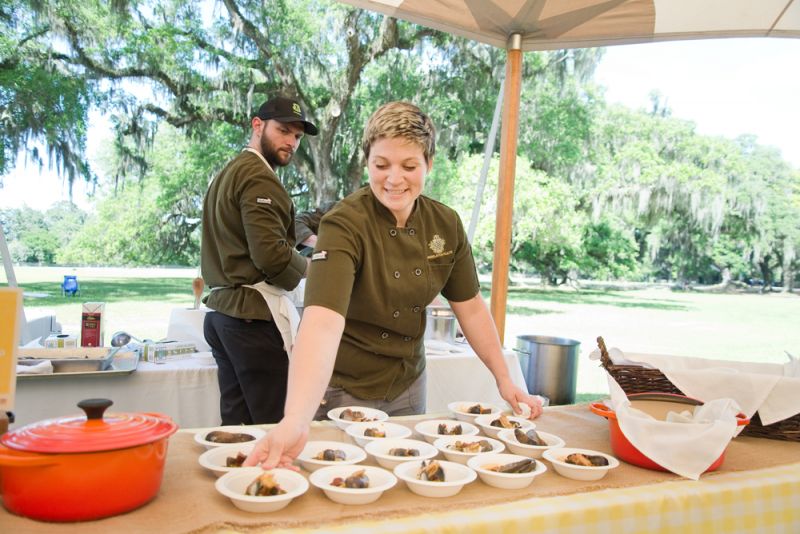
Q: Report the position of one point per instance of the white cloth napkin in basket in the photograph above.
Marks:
(686, 443)
(765, 388)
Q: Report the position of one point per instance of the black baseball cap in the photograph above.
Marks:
(282, 109)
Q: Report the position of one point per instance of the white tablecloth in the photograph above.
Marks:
(188, 391)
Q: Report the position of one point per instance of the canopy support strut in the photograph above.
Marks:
(505, 183)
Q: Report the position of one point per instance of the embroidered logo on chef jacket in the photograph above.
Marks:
(319, 256)
(260, 200)
(437, 247)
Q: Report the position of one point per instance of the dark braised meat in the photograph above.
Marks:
(586, 460)
(374, 433)
(331, 455)
(219, 436)
(237, 461)
(455, 431)
(522, 466)
(478, 409)
(529, 438)
(403, 452)
(503, 422)
(431, 470)
(471, 447)
(265, 486)
(357, 480)
(356, 416)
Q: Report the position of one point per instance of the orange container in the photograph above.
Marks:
(84, 467)
(657, 405)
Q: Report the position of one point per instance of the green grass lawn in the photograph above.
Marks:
(743, 327)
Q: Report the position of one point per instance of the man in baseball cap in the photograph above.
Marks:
(248, 259)
(282, 109)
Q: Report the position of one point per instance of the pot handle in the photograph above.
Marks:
(25, 461)
(742, 419)
(602, 410)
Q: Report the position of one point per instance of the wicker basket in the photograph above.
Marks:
(636, 379)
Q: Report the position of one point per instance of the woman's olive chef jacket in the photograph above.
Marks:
(380, 278)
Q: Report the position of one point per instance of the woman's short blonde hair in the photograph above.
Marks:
(400, 119)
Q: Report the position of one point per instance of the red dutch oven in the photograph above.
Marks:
(656, 405)
(84, 467)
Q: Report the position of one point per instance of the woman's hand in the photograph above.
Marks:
(280, 446)
(515, 396)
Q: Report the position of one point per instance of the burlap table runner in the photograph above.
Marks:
(188, 501)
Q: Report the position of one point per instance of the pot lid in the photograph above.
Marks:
(92, 432)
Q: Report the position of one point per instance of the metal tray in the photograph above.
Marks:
(125, 364)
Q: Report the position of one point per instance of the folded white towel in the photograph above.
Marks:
(686, 443)
(756, 387)
(44, 367)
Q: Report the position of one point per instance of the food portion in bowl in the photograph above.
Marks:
(586, 460)
(221, 460)
(220, 436)
(563, 460)
(358, 480)
(364, 433)
(518, 466)
(318, 454)
(235, 461)
(431, 471)
(506, 471)
(391, 452)
(529, 437)
(469, 410)
(374, 432)
(223, 436)
(472, 447)
(331, 455)
(264, 486)
(345, 416)
(433, 429)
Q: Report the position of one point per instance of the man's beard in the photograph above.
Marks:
(273, 156)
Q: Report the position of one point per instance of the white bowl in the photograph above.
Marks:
(379, 449)
(456, 476)
(531, 451)
(256, 433)
(485, 423)
(234, 484)
(462, 457)
(214, 459)
(380, 480)
(504, 480)
(353, 454)
(459, 410)
(371, 413)
(392, 430)
(578, 472)
(429, 429)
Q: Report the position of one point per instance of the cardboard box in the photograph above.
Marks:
(61, 341)
(92, 324)
(167, 351)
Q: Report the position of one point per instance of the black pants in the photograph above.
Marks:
(253, 368)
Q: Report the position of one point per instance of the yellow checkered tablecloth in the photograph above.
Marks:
(766, 500)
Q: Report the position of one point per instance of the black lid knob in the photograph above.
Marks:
(94, 408)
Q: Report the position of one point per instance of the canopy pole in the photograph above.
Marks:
(505, 183)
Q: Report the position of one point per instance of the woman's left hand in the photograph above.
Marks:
(515, 396)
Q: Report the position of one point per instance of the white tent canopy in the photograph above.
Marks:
(553, 24)
(524, 25)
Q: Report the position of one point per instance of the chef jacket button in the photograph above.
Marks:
(412, 232)
(406, 338)
(396, 314)
(397, 274)
(415, 309)
(384, 335)
(418, 271)
(393, 232)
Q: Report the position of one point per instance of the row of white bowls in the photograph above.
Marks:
(460, 468)
(234, 483)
